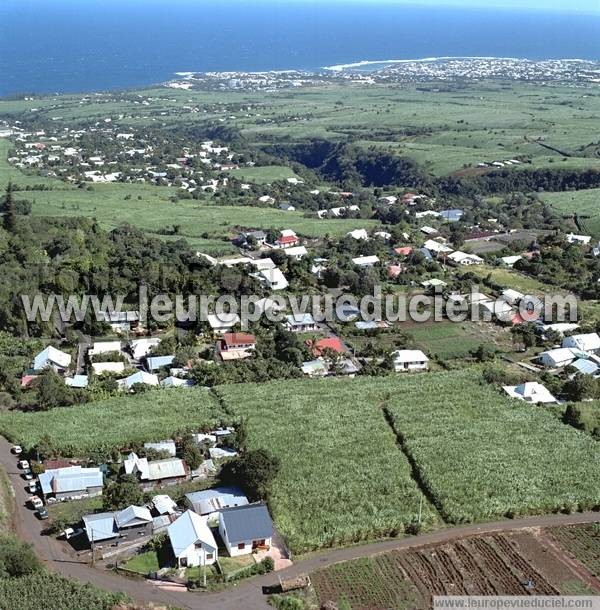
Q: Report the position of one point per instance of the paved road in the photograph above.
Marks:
(247, 594)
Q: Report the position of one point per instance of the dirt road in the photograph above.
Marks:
(247, 595)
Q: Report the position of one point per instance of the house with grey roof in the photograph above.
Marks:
(192, 541)
(245, 529)
(71, 483)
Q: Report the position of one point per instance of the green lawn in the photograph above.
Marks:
(143, 563)
(71, 512)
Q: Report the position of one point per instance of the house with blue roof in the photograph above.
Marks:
(245, 529)
(71, 483)
(155, 363)
(209, 501)
(192, 541)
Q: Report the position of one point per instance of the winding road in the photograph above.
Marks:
(248, 594)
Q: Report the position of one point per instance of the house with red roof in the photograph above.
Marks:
(236, 346)
(327, 343)
(287, 239)
(403, 250)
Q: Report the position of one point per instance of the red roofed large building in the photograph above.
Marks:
(328, 343)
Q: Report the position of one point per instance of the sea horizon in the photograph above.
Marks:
(63, 49)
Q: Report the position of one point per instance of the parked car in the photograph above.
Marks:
(36, 502)
(16, 449)
(41, 513)
(28, 475)
(71, 533)
(32, 487)
(23, 464)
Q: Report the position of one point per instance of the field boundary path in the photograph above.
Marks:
(247, 594)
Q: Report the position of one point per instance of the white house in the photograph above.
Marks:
(139, 377)
(53, 358)
(579, 239)
(273, 279)
(192, 541)
(245, 529)
(410, 360)
(104, 347)
(358, 234)
(510, 261)
(560, 357)
(297, 252)
(462, 258)
(530, 391)
(365, 261)
(141, 347)
(512, 297)
(107, 367)
(435, 247)
(587, 342)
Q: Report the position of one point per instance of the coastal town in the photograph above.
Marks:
(288, 456)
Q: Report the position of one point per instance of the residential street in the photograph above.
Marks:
(247, 595)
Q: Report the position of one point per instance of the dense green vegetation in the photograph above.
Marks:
(480, 455)
(115, 423)
(26, 585)
(342, 477)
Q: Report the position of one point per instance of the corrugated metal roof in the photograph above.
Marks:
(100, 526)
(164, 504)
(210, 500)
(189, 529)
(159, 362)
(133, 515)
(587, 367)
(165, 469)
(73, 478)
(243, 523)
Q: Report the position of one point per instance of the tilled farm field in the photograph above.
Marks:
(500, 564)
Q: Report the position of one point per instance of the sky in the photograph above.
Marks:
(572, 6)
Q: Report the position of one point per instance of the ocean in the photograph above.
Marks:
(93, 45)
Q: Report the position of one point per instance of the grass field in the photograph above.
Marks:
(510, 278)
(114, 423)
(263, 175)
(449, 340)
(582, 203)
(343, 479)
(481, 455)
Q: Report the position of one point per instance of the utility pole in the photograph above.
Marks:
(204, 566)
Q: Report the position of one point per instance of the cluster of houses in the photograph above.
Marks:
(60, 153)
(120, 357)
(221, 513)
